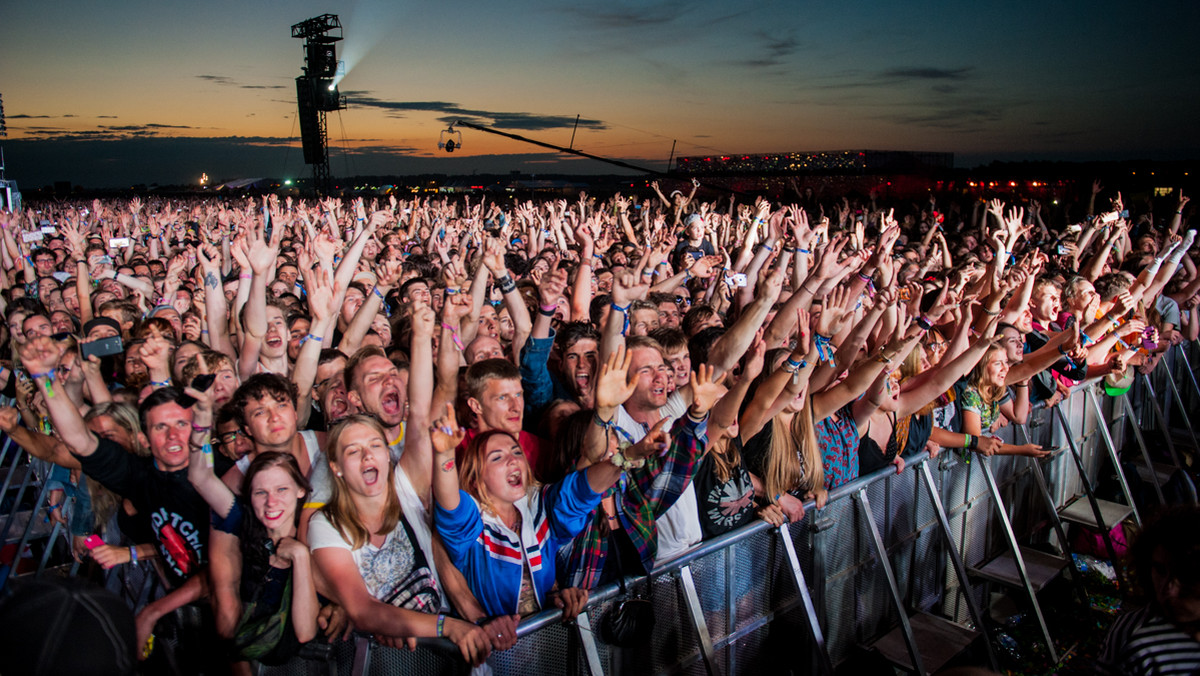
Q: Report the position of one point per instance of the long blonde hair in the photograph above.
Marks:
(341, 510)
(988, 393)
(794, 461)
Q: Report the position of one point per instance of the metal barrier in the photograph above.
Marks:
(889, 559)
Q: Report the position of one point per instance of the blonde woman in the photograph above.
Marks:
(981, 400)
(366, 550)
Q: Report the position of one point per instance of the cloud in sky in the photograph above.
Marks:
(926, 73)
(453, 112)
(226, 81)
(774, 50)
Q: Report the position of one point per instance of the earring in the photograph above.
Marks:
(339, 475)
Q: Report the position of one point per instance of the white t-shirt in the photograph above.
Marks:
(395, 572)
(318, 469)
(679, 528)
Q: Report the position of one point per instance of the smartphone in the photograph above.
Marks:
(1111, 216)
(104, 260)
(36, 236)
(905, 294)
(1125, 213)
(104, 347)
(1063, 251)
(118, 242)
(201, 382)
(93, 541)
(49, 230)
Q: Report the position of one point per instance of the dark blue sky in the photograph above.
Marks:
(116, 93)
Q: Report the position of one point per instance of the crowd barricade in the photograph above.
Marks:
(887, 556)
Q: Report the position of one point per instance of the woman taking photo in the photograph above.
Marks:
(366, 550)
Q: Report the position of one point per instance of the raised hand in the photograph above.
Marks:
(493, 257)
(41, 355)
(703, 268)
(828, 263)
(706, 389)
(834, 313)
(321, 294)
(655, 442)
(445, 432)
(423, 320)
(627, 287)
(552, 287)
(615, 384)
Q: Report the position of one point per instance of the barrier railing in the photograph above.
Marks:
(889, 557)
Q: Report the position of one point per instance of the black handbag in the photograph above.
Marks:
(630, 622)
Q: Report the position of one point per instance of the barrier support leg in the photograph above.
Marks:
(1187, 421)
(1162, 422)
(881, 552)
(1090, 396)
(960, 571)
(1187, 366)
(1141, 442)
(1088, 489)
(1018, 559)
(696, 614)
(810, 613)
(587, 639)
(1039, 477)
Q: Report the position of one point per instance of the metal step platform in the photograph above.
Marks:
(1040, 566)
(940, 641)
(1079, 510)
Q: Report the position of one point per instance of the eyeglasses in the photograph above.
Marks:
(680, 300)
(229, 437)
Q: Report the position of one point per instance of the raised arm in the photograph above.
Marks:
(216, 308)
(41, 357)
(261, 255)
(418, 453)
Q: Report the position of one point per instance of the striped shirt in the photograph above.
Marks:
(1143, 643)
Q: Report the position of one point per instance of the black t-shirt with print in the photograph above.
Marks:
(177, 513)
(723, 506)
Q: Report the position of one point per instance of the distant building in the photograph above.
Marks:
(826, 162)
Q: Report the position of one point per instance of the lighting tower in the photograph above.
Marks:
(316, 92)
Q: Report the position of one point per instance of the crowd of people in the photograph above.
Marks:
(435, 417)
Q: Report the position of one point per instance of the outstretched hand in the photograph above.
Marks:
(615, 383)
(445, 432)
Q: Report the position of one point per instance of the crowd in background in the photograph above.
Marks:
(434, 417)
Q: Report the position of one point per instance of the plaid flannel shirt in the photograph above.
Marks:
(644, 494)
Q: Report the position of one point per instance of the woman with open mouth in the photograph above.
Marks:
(503, 530)
(363, 545)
